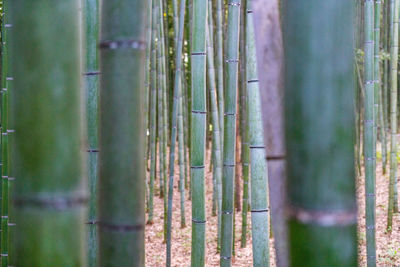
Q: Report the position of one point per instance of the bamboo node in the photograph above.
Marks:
(275, 157)
(197, 167)
(8, 25)
(198, 53)
(227, 258)
(232, 61)
(9, 78)
(257, 147)
(229, 165)
(121, 227)
(260, 211)
(91, 73)
(253, 81)
(233, 4)
(54, 202)
(133, 44)
(199, 112)
(323, 218)
(249, 11)
(226, 212)
(92, 150)
(198, 222)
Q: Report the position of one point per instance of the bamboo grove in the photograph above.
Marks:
(273, 112)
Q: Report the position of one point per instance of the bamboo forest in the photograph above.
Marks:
(199, 133)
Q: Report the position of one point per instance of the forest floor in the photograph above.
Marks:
(388, 244)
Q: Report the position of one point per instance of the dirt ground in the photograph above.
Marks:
(388, 245)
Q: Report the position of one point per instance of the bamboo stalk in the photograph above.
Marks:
(7, 80)
(49, 199)
(220, 67)
(91, 14)
(153, 112)
(231, 83)
(322, 210)
(394, 21)
(258, 164)
(217, 171)
(177, 89)
(122, 144)
(369, 131)
(198, 129)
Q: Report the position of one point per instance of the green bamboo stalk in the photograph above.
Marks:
(198, 129)
(182, 171)
(244, 126)
(190, 90)
(382, 76)
(160, 109)
(319, 131)
(394, 22)
(8, 80)
(395, 194)
(212, 83)
(177, 88)
(165, 114)
(220, 67)
(153, 111)
(91, 14)
(377, 74)
(122, 144)
(147, 97)
(258, 164)
(49, 198)
(217, 170)
(175, 24)
(4, 185)
(161, 121)
(231, 83)
(386, 72)
(369, 131)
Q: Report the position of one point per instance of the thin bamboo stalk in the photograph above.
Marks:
(198, 129)
(258, 163)
(217, 171)
(91, 15)
(182, 171)
(394, 22)
(177, 89)
(231, 83)
(153, 111)
(220, 67)
(369, 131)
(5, 133)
